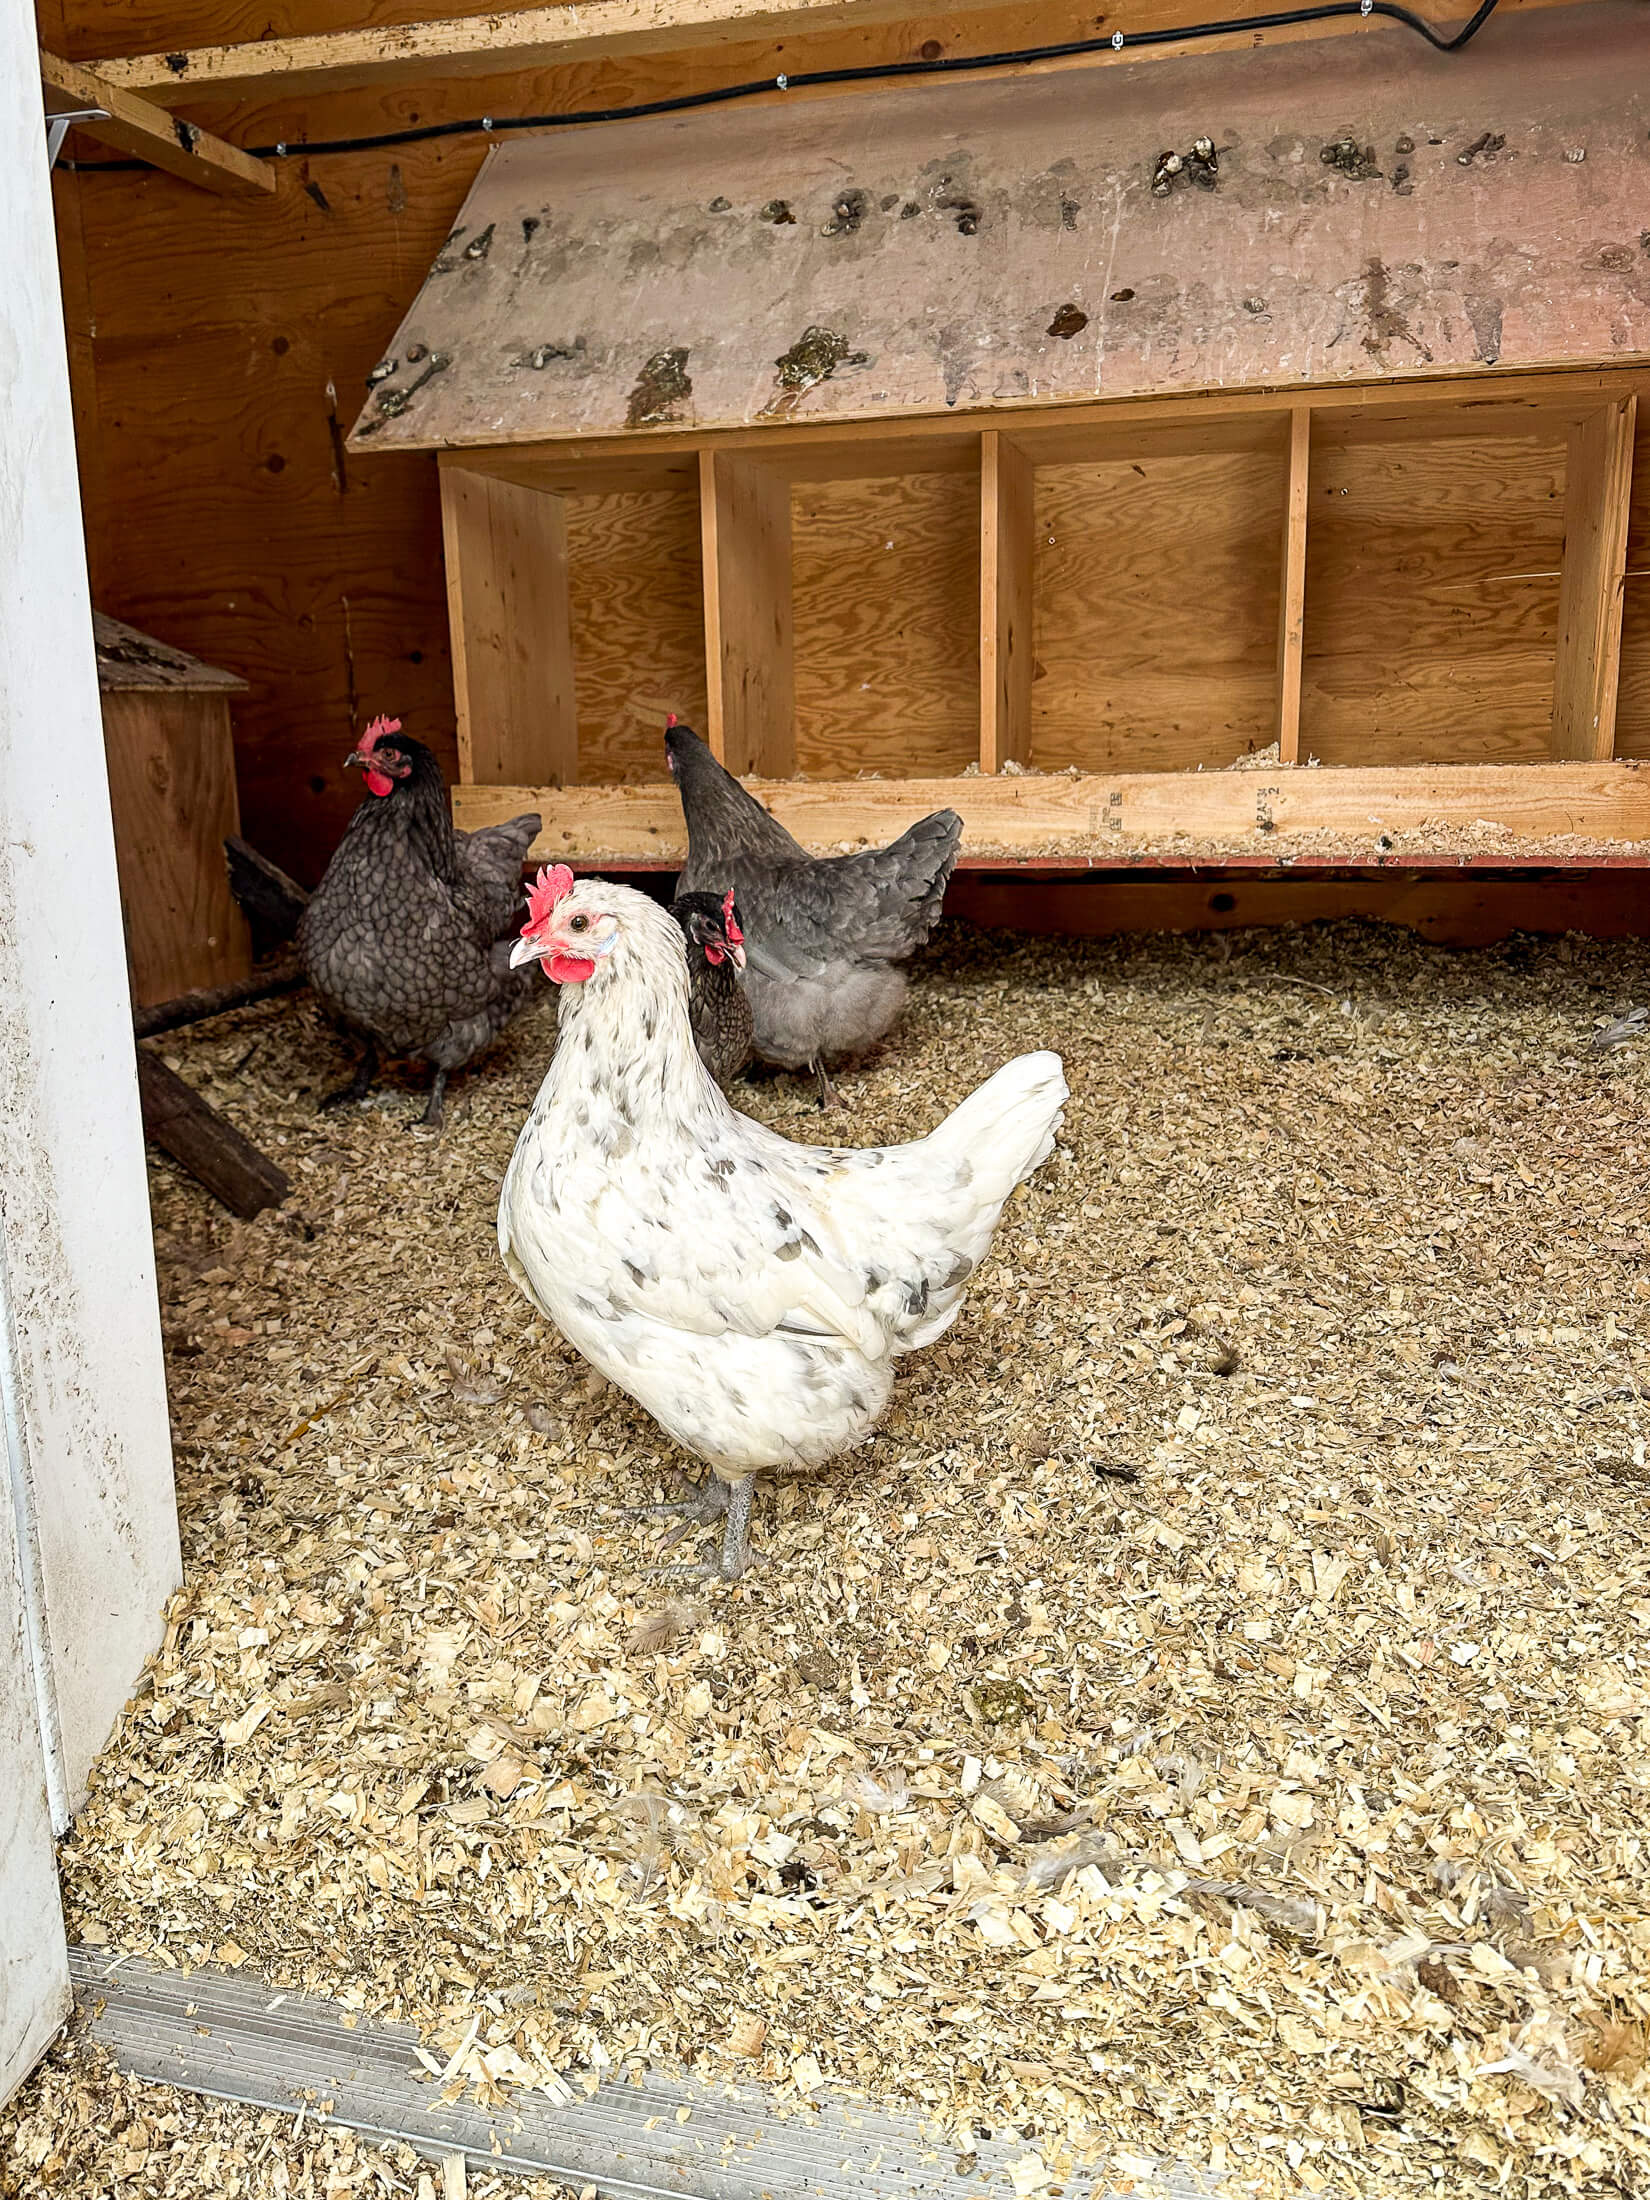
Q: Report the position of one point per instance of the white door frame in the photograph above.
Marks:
(89, 1544)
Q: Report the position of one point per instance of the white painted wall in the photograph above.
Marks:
(87, 1446)
(34, 1964)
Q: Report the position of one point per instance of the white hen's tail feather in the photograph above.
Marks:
(1006, 1128)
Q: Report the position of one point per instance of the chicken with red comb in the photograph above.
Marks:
(753, 1295)
(718, 1007)
(407, 939)
(827, 938)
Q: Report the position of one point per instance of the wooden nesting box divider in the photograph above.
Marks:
(171, 765)
(917, 452)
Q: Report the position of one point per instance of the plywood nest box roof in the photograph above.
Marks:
(1110, 423)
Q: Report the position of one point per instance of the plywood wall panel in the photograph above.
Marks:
(1432, 583)
(1156, 611)
(638, 628)
(886, 605)
(1633, 695)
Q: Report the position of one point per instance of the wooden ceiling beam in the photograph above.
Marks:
(138, 126)
(549, 37)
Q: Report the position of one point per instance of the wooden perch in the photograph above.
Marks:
(212, 1000)
(138, 126)
(272, 901)
(200, 1140)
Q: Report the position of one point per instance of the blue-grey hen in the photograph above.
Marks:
(826, 938)
(407, 938)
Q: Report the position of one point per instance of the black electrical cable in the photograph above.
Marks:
(868, 73)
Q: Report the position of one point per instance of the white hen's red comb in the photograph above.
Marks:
(549, 888)
(375, 733)
(730, 924)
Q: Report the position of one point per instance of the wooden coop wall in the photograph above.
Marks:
(225, 510)
(219, 347)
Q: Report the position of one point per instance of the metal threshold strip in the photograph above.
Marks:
(238, 2039)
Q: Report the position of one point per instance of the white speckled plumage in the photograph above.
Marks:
(752, 1294)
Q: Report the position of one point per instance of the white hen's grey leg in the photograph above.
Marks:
(715, 1500)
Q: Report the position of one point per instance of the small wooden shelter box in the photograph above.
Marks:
(171, 765)
(942, 443)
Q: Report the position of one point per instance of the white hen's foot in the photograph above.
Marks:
(715, 1500)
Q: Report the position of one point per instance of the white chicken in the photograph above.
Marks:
(752, 1294)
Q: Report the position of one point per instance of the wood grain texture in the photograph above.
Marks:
(745, 530)
(638, 627)
(1008, 564)
(149, 131)
(990, 295)
(1597, 504)
(454, 46)
(207, 1144)
(1292, 586)
(1633, 689)
(1157, 611)
(1431, 599)
(172, 791)
(1036, 814)
(511, 629)
(885, 599)
(1455, 912)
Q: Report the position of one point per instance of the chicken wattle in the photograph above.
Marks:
(752, 1294)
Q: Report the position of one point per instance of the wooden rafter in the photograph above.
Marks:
(547, 37)
(140, 127)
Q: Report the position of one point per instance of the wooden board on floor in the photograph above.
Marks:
(1050, 815)
(969, 244)
(885, 595)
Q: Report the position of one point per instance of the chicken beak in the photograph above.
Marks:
(737, 952)
(525, 951)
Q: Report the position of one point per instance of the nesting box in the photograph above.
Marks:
(171, 760)
(948, 444)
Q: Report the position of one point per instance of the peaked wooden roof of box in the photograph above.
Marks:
(1372, 208)
(128, 659)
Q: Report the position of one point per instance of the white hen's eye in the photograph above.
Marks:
(579, 924)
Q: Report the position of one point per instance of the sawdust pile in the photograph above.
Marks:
(1211, 1722)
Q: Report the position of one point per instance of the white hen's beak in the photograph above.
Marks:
(526, 951)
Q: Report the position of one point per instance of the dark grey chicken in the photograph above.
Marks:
(407, 938)
(717, 1006)
(825, 938)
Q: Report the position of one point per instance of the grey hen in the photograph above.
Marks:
(407, 938)
(717, 1008)
(825, 937)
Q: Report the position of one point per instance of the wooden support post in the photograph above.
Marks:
(202, 1141)
(512, 631)
(1598, 487)
(1292, 592)
(745, 518)
(139, 127)
(1007, 566)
